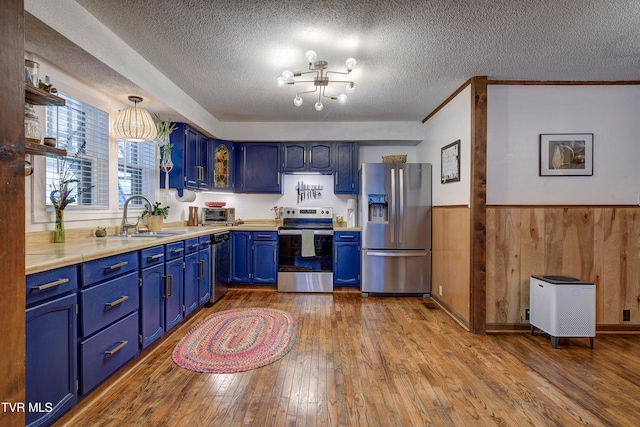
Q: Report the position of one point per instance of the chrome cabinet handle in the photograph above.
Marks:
(155, 256)
(50, 285)
(201, 273)
(118, 265)
(177, 250)
(116, 302)
(117, 348)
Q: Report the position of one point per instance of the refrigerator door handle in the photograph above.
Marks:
(401, 204)
(396, 254)
(392, 220)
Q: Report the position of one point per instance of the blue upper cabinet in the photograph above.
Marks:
(345, 168)
(222, 165)
(307, 157)
(258, 168)
(190, 155)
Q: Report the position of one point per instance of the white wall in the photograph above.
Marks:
(451, 123)
(517, 115)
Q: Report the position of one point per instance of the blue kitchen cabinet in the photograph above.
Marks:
(51, 369)
(346, 262)
(265, 257)
(152, 291)
(173, 284)
(191, 274)
(258, 168)
(190, 155)
(222, 165)
(345, 168)
(254, 257)
(303, 157)
(241, 259)
(204, 275)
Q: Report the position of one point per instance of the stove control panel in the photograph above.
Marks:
(306, 213)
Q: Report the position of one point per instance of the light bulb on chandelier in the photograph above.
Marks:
(320, 81)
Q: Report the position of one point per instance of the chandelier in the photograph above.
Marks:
(321, 80)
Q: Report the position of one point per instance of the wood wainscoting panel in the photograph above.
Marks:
(600, 244)
(450, 259)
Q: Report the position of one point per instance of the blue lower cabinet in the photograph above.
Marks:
(51, 368)
(174, 282)
(152, 292)
(346, 258)
(204, 276)
(191, 272)
(265, 262)
(105, 352)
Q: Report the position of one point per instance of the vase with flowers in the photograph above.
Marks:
(66, 190)
(164, 129)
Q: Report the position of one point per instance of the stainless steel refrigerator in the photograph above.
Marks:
(395, 216)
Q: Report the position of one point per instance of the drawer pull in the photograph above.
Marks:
(116, 302)
(348, 236)
(174, 251)
(155, 256)
(50, 285)
(117, 348)
(264, 236)
(195, 245)
(118, 265)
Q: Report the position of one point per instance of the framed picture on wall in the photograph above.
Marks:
(450, 163)
(566, 154)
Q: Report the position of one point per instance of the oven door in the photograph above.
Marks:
(305, 260)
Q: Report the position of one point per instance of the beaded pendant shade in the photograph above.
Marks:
(135, 124)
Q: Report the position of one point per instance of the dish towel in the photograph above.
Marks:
(308, 248)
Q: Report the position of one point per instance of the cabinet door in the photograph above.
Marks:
(240, 257)
(204, 178)
(294, 157)
(151, 304)
(190, 283)
(192, 164)
(259, 168)
(319, 157)
(265, 261)
(174, 281)
(345, 170)
(221, 165)
(204, 278)
(346, 264)
(51, 369)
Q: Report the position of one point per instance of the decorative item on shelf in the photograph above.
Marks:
(32, 126)
(321, 80)
(155, 216)
(163, 141)
(51, 142)
(395, 158)
(31, 70)
(135, 124)
(63, 191)
(47, 86)
(215, 204)
(101, 232)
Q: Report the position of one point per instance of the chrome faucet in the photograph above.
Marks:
(125, 226)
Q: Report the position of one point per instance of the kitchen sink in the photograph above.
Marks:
(149, 234)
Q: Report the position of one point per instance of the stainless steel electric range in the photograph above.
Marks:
(305, 247)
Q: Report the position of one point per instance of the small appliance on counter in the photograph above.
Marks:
(218, 216)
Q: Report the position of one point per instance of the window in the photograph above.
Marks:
(136, 171)
(78, 126)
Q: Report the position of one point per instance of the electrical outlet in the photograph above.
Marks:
(626, 315)
(526, 314)
(440, 290)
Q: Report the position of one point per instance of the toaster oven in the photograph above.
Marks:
(222, 216)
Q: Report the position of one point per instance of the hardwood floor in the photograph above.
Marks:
(379, 361)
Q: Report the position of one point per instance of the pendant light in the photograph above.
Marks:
(135, 124)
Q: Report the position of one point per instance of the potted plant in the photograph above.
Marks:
(155, 216)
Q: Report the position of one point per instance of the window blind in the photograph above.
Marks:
(83, 131)
(136, 170)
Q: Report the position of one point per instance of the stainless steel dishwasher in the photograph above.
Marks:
(220, 265)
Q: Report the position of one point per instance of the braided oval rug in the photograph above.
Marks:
(237, 340)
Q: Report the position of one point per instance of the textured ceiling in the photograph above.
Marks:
(412, 54)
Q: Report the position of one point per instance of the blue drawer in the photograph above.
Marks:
(346, 236)
(107, 302)
(191, 245)
(204, 241)
(265, 235)
(106, 268)
(41, 286)
(174, 250)
(151, 256)
(106, 352)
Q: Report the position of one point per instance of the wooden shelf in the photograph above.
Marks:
(37, 96)
(42, 150)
